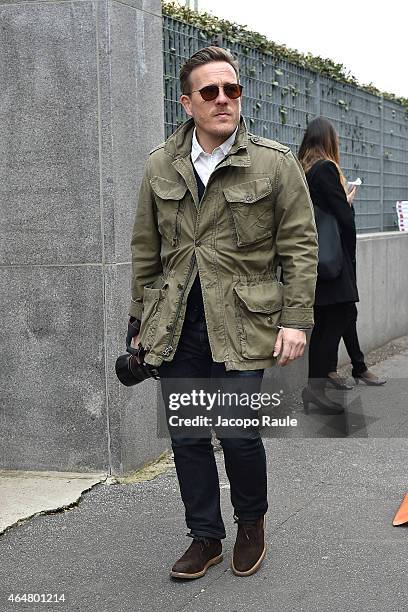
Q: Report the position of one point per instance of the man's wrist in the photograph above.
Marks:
(134, 323)
(133, 329)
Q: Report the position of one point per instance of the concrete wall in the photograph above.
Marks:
(382, 275)
(81, 103)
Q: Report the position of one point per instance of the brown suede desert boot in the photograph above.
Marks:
(250, 547)
(201, 554)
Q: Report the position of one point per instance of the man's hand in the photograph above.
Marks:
(135, 341)
(135, 344)
(133, 335)
(290, 344)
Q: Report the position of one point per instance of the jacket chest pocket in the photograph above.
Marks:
(258, 310)
(251, 206)
(171, 202)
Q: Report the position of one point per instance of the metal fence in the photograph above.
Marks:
(279, 100)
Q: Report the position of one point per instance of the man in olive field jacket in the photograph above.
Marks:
(218, 209)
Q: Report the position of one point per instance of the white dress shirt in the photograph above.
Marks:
(204, 163)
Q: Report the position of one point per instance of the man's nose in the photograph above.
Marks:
(221, 98)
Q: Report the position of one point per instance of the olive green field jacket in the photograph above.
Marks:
(255, 212)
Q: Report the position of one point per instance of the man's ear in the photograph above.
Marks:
(186, 104)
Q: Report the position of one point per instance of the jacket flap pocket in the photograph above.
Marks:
(249, 192)
(167, 190)
(151, 294)
(263, 297)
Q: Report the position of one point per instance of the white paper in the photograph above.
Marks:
(357, 182)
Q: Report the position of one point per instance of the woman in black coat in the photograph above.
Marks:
(335, 299)
(360, 372)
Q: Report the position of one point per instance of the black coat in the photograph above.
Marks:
(327, 192)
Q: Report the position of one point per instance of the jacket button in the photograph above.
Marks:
(248, 198)
(179, 286)
(198, 243)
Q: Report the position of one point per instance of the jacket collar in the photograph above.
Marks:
(178, 145)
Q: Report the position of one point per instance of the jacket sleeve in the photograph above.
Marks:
(145, 246)
(327, 180)
(296, 243)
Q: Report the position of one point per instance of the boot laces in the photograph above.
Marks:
(203, 541)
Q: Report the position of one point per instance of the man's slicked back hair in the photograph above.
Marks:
(201, 57)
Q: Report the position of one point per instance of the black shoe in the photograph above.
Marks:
(319, 399)
(370, 379)
(338, 382)
(200, 555)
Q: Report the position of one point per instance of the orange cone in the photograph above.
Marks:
(402, 515)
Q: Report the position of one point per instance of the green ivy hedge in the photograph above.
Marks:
(240, 34)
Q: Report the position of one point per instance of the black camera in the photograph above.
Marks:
(128, 369)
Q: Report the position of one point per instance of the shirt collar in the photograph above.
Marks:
(197, 150)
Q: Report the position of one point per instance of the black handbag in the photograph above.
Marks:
(330, 247)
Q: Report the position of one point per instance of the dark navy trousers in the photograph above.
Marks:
(244, 457)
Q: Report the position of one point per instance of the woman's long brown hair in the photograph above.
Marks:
(320, 142)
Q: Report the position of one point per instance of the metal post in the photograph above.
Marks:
(318, 95)
(382, 163)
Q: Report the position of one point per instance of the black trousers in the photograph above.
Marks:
(353, 349)
(245, 459)
(331, 323)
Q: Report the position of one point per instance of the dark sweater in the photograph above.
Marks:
(195, 304)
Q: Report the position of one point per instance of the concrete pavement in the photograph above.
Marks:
(24, 494)
(331, 544)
